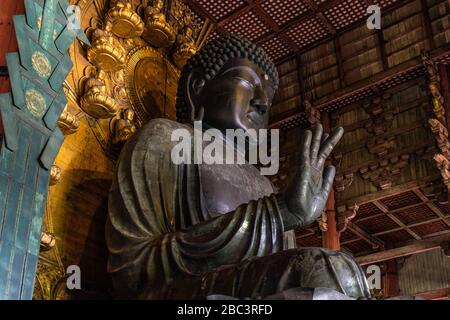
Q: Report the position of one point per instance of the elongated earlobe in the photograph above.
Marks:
(194, 88)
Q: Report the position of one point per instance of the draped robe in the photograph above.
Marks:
(165, 242)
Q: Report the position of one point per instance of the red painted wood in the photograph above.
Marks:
(391, 284)
(8, 42)
(330, 238)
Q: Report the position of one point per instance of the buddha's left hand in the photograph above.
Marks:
(307, 192)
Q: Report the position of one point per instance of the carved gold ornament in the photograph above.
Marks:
(99, 105)
(41, 64)
(159, 33)
(68, 123)
(106, 52)
(35, 103)
(48, 240)
(125, 22)
(183, 53)
(55, 175)
(151, 84)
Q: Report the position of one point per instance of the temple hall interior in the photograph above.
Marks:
(80, 78)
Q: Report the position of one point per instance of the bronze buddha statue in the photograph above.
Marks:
(186, 231)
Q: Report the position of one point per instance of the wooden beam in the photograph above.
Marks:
(235, 14)
(393, 190)
(400, 228)
(375, 242)
(319, 14)
(385, 210)
(432, 206)
(298, 20)
(340, 63)
(301, 80)
(417, 246)
(382, 48)
(439, 294)
(427, 24)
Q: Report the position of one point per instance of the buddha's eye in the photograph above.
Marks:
(244, 82)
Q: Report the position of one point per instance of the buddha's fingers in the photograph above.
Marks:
(305, 154)
(328, 177)
(315, 143)
(328, 146)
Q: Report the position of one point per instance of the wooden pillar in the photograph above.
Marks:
(330, 237)
(391, 284)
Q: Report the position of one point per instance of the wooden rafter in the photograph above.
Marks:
(385, 210)
(375, 242)
(417, 246)
(432, 206)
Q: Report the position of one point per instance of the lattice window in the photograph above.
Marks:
(347, 235)
(249, 25)
(346, 12)
(430, 228)
(283, 11)
(213, 35)
(377, 224)
(445, 207)
(415, 214)
(275, 48)
(400, 200)
(395, 237)
(358, 246)
(219, 9)
(367, 210)
(384, 3)
(307, 32)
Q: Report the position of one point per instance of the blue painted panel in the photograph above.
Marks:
(6, 249)
(9, 122)
(13, 204)
(51, 149)
(22, 153)
(33, 158)
(4, 188)
(31, 16)
(13, 61)
(48, 21)
(39, 205)
(30, 147)
(15, 275)
(25, 218)
(53, 113)
(29, 277)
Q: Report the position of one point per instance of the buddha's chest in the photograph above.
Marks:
(225, 187)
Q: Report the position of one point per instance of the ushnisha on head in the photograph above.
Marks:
(228, 84)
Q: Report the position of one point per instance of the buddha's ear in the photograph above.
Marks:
(195, 84)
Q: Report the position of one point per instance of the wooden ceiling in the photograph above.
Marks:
(327, 56)
(283, 27)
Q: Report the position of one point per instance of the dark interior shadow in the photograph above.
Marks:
(89, 209)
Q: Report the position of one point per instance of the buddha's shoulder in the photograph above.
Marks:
(163, 126)
(161, 129)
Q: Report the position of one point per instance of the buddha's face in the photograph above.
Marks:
(238, 97)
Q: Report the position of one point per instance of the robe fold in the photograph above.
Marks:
(164, 242)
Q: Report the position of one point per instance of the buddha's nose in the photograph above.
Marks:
(260, 102)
